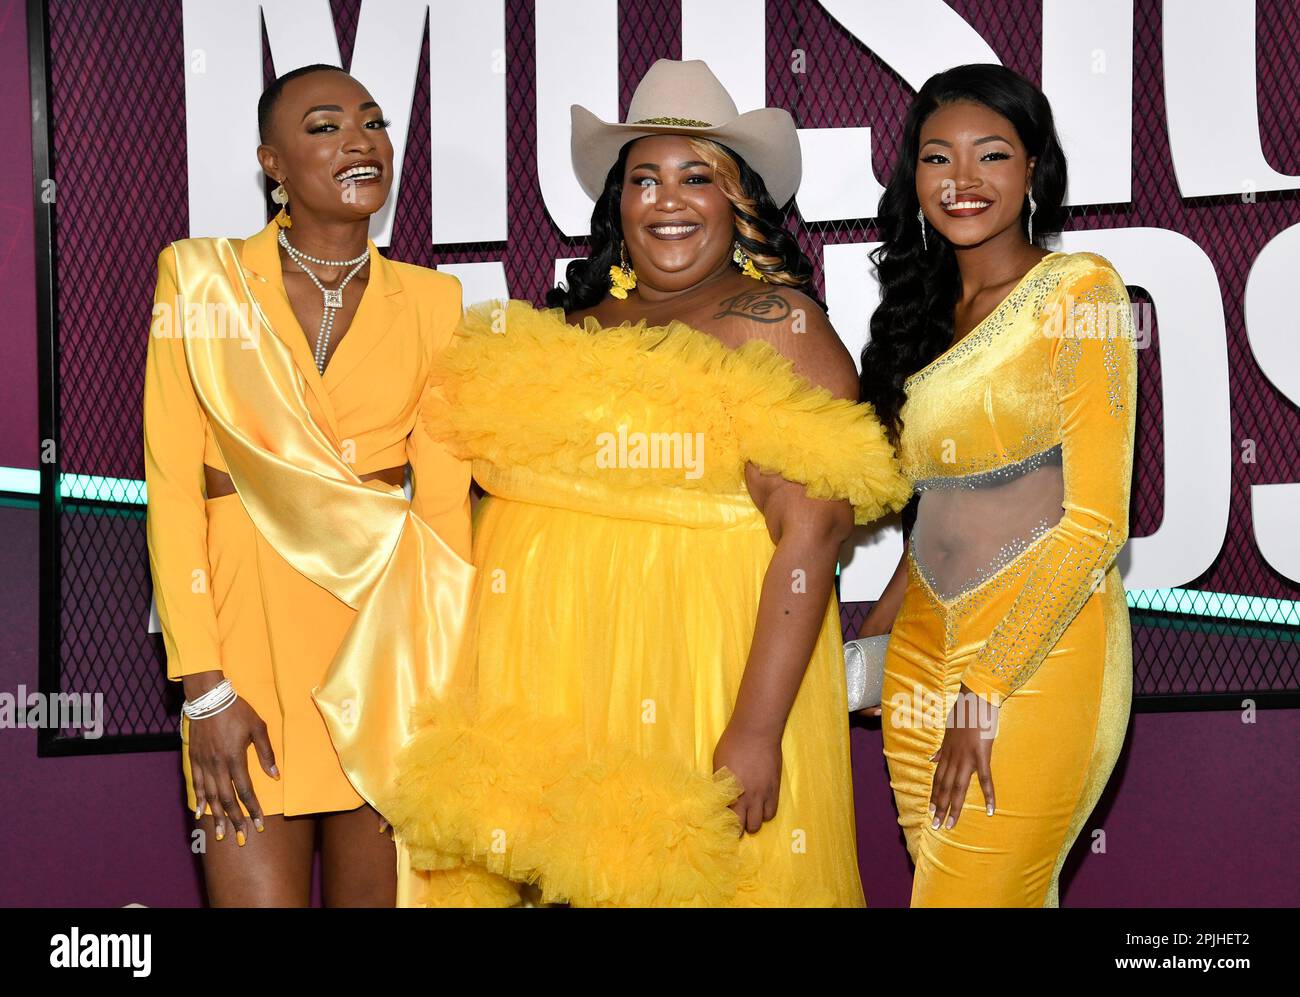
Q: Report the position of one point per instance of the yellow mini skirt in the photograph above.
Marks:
(279, 632)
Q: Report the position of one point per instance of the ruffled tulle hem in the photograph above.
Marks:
(464, 886)
(521, 797)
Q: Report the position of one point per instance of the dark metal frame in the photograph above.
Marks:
(51, 505)
(48, 743)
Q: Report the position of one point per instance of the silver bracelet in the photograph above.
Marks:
(217, 693)
(213, 712)
(212, 702)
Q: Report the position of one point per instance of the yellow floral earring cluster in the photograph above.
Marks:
(622, 278)
(742, 259)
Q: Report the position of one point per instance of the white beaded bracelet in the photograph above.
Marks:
(212, 702)
(215, 710)
(213, 695)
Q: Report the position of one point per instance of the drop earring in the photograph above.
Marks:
(622, 278)
(920, 217)
(1032, 208)
(281, 197)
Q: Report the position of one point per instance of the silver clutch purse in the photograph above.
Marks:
(864, 670)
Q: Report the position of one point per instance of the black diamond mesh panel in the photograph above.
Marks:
(118, 148)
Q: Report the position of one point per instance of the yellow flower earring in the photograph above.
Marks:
(622, 278)
(742, 260)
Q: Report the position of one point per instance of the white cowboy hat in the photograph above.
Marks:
(685, 98)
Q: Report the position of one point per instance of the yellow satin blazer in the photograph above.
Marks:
(367, 403)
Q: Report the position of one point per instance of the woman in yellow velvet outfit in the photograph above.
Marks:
(285, 556)
(1009, 669)
(654, 628)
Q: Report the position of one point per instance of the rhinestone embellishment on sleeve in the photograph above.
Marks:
(1102, 312)
(1054, 601)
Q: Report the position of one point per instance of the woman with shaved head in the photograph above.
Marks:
(289, 567)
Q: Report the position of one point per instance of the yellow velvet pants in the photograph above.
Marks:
(1057, 740)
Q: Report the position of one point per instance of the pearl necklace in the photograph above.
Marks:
(333, 297)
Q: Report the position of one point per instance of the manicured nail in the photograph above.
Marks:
(931, 808)
(275, 772)
(239, 838)
(198, 813)
(989, 808)
(935, 825)
(221, 832)
(949, 823)
(257, 823)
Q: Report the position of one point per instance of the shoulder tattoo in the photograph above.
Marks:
(760, 306)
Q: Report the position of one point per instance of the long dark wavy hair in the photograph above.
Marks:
(758, 228)
(920, 288)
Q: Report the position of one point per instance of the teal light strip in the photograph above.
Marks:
(91, 487)
(20, 480)
(1221, 605)
(1218, 605)
(97, 489)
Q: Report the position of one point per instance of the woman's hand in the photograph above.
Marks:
(218, 748)
(966, 749)
(754, 758)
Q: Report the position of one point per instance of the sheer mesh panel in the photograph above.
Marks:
(969, 528)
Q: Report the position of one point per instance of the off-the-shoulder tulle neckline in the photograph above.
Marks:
(641, 327)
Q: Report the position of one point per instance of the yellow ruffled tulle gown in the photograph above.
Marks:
(618, 584)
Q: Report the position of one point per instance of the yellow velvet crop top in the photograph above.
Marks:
(1019, 441)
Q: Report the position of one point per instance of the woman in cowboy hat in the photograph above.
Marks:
(673, 455)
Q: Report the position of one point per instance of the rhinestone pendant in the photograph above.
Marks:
(334, 298)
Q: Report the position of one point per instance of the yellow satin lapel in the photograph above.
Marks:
(410, 590)
(301, 493)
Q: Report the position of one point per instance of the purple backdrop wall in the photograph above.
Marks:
(1191, 816)
(98, 65)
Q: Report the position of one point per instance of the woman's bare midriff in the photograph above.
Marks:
(218, 483)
